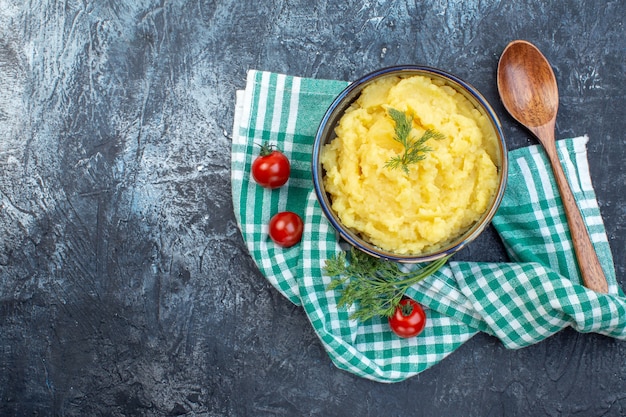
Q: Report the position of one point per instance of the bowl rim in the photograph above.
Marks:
(339, 105)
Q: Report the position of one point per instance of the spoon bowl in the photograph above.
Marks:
(529, 92)
(527, 85)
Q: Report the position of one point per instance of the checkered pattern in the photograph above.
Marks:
(521, 302)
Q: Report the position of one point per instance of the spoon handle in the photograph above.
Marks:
(588, 262)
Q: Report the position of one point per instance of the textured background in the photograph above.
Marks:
(125, 286)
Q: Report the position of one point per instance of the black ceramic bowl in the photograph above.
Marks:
(326, 133)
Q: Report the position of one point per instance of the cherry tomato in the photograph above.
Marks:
(286, 228)
(271, 168)
(409, 318)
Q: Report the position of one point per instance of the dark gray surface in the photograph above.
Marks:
(125, 286)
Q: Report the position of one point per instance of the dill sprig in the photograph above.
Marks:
(377, 285)
(414, 150)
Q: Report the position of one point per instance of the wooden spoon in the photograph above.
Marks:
(529, 92)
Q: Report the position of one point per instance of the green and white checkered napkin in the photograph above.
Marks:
(522, 302)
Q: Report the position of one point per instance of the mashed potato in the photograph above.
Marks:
(441, 196)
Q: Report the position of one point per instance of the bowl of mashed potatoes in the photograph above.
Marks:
(409, 163)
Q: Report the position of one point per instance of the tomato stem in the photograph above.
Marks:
(406, 308)
(266, 148)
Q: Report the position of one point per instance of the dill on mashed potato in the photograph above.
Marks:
(420, 210)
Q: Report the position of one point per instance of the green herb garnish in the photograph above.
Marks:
(414, 150)
(377, 285)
